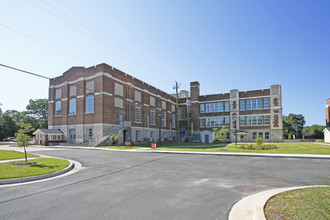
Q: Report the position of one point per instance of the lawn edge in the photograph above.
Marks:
(39, 177)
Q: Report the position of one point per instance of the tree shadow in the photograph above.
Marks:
(41, 166)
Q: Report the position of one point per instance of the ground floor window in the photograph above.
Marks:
(261, 135)
(254, 135)
(138, 135)
(227, 136)
(89, 134)
(152, 136)
(266, 135)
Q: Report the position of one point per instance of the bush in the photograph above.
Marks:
(259, 142)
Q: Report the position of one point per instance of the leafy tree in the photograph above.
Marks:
(116, 137)
(23, 137)
(38, 108)
(315, 130)
(8, 126)
(293, 124)
(219, 134)
(259, 141)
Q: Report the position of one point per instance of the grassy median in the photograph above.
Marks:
(42, 166)
(281, 148)
(11, 154)
(309, 203)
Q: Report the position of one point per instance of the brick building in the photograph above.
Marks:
(90, 104)
(249, 114)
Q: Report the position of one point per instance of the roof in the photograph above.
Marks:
(48, 131)
(328, 129)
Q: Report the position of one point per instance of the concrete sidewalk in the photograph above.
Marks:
(252, 207)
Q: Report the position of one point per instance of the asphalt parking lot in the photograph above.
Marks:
(132, 185)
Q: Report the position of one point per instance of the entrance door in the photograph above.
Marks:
(242, 138)
(207, 138)
(72, 133)
(121, 118)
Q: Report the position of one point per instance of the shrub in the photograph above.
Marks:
(259, 141)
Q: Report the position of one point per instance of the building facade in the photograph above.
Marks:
(246, 114)
(326, 130)
(90, 104)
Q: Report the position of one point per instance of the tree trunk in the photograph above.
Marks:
(25, 154)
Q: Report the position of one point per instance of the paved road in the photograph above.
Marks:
(129, 185)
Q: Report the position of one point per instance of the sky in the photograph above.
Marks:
(245, 45)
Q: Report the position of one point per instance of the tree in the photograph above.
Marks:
(116, 137)
(22, 137)
(315, 130)
(293, 124)
(219, 134)
(38, 108)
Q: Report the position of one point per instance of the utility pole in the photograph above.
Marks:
(176, 87)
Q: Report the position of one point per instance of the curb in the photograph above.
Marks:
(38, 177)
(299, 156)
(252, 207)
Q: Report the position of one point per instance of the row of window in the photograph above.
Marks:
(215, 122)
(254, 104)
(152, 135)
(152, 118)
(263, 135)
(254, 120)
(89, 106)
(215, 107)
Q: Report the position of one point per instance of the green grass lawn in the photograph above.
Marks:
(309, 203)
(43, 165)
(283, 148)
(11, 154)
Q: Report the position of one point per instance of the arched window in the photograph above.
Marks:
(90, 104)
(72, 106)
(58, 108)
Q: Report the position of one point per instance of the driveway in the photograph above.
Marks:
(132, 185)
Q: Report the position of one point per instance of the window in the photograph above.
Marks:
(227, 121)
(89, 104)
(58, 93)
(152, 101)
(242, 105)
(242, 121)
(254, 135)
(164, 105)
(259, 120)
(266, 103)
(227, 106)
(254, 104)
(202, 108)
(203, 122)
(137, 96)
(73, 91)
(217, 107)
(248, 104)
(254, 120)
(137, 113)
(119, 102)
(182, 113)
(173, 120)
(119, 89)
(227, 136)
(58, 108)
(217, 122)
(152, 117)
(72, 106)
(248, 121)
(164, 119)
(266, 135)
(260, 135)
(152, 136)
(259, 103)
(266, 119)
(138, 135)
(90, 87)
(89, 134)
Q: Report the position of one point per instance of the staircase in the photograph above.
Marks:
(98, 141)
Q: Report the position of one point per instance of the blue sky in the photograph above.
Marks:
(224, 45)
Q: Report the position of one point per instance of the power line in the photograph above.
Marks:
(44, 43)
(24, 71)
(120, 48)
